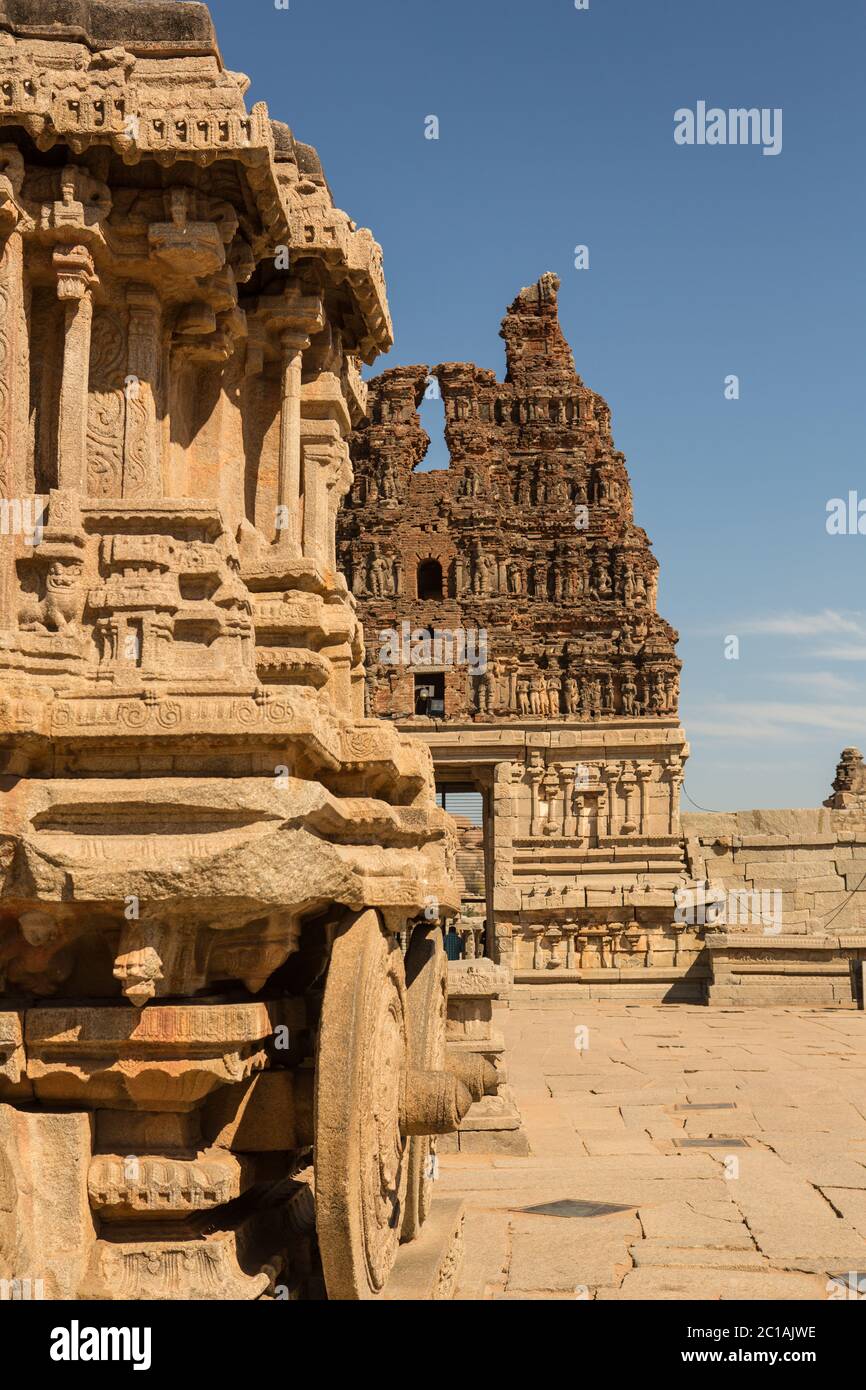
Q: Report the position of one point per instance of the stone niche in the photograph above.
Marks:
(209, 853)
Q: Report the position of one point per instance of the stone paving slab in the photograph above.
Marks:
(699, 1283)
(636, 1217)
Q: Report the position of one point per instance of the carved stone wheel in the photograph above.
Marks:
(427, 986)
(360, 1156)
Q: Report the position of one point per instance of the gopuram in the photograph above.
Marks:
(219, 1072)
(509, 605)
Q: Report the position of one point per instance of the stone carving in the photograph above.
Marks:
(587, 578)
(60, 606)
(849, 784)
(209, 839)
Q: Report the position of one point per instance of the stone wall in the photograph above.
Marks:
(784, 921)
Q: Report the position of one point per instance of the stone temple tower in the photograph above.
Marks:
(509, 605)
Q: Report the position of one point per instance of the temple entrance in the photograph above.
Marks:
(468, 803)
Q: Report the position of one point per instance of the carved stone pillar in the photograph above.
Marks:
(14, 402)
(339, 482)
(566, 781)
(551, 792)
(644, 776)
(538, 947)
(534, 775)
(289, 475)
(611, 774)
(629, 784)
(142, 475)
(555, 937)
(76, 279)
(676, 777)
(319, 466)
(582, 945)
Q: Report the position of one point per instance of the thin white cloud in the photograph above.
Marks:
(821, 680)
(804, 624)
(852, 653)
(773, 721)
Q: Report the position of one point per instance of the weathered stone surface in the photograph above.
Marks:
(47, 1229)
(849, 784)
(209, 852)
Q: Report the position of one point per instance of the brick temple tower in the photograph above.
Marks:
(509, 606)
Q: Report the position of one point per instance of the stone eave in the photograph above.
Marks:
(151, 28)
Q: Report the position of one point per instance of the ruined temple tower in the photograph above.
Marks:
(509, 607)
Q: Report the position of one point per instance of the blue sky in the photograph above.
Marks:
(556, 129)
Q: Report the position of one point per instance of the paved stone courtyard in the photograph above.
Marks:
(646, 1214)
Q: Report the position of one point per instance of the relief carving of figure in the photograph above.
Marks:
(608, 697)
(571, 694)
(629, 694)
(627, 587)
(63, 604)
(537, 694)
(489, 575)
(672, 681)
(469, 484)
(523, 695)
(594, 698)
(600, 486)
(476, 582)
(539, 579)
(380, 577)
(578, 493)
(601, 586)
(656, 694)
(371, 683)
(486, 692)
(389, 483)
(554, 687)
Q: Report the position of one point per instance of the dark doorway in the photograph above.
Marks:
(430, 579)
(430, 695)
